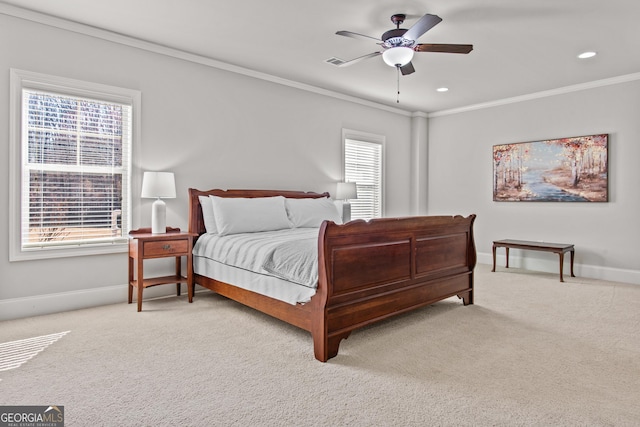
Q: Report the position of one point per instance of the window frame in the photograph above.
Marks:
(369, 138)
(20, 80)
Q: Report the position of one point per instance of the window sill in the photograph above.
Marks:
(68, 252)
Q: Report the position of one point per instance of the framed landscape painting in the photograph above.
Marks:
(556, 170)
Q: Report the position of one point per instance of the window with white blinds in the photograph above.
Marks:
(75, 151)
(363, 165)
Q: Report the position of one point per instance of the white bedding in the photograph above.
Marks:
(262, 262)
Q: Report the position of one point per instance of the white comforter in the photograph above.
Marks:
(291, 254)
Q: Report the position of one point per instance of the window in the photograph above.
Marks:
(363, 165)
(71, 144)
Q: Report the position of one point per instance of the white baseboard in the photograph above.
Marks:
(16, 308)
(552, 266)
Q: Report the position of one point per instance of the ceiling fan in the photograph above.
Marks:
(399, 44)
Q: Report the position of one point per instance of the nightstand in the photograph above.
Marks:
(145, 245)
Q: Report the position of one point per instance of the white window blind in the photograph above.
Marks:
(363, 165)
(70, 147)
(75, 166)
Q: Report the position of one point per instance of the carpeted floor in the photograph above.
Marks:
(531, 352)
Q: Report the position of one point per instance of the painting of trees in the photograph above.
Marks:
(565, 169)
(586, 156)
(508, 165)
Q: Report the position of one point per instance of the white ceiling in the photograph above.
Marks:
(521, 47)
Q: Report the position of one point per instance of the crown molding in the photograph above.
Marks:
(537, 95)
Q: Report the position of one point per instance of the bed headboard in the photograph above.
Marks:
(196, 222)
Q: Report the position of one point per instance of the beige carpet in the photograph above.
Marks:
(531, 351)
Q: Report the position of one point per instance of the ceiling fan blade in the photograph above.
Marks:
(423, 25)
(355, 35)
(360, 58)
(445, 48)
(407, 69)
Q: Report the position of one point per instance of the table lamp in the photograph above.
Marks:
(346, 191)
(158, 185)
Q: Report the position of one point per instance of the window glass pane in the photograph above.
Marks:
(67, 206)
(46, 146)
(101, 151)
(51, 112)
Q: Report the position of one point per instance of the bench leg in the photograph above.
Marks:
(494, 258)
(561, 265)
(507, 251)
(573, 252)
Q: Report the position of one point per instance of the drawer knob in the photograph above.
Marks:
(166, 247)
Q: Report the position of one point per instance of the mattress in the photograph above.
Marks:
(279, 264)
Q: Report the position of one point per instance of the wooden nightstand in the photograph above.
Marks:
(145, 245)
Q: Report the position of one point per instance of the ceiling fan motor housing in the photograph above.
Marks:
(393, 38)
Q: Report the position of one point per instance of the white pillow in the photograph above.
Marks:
(248, 215)
(311, 212)
(207, 214)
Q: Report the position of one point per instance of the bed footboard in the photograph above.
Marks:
(372, 270)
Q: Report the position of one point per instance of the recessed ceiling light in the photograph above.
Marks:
(585, 55)
(442, 89)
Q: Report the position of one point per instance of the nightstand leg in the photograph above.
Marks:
(140, 283)
(130, 280)
(190, 282)
(178, 273)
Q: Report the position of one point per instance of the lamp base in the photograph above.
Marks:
(346, 212)
(159, 217)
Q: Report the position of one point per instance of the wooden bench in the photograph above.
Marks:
(558, 248)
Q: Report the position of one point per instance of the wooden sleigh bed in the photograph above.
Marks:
(367, 270)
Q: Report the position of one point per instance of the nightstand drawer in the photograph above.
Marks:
(167, 247)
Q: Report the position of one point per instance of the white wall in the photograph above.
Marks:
(605, 234)
(213, 128)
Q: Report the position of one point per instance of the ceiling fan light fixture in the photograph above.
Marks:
(397, 56)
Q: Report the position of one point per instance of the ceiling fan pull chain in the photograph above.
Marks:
(398, 95)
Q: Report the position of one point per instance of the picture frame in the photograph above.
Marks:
(571, 169)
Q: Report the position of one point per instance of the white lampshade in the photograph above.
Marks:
(346, 191)
(158, 185)
(398, 56)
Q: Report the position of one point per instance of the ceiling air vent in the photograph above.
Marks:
(335, 61)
